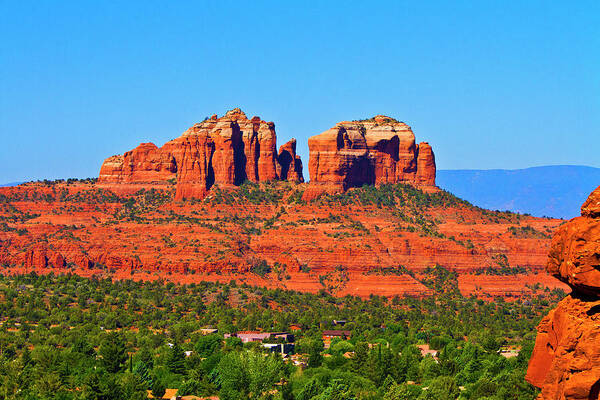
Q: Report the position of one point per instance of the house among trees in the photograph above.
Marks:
(426, 350)
(283, 348)
(255, 336)
(330, 334)
(295, 327)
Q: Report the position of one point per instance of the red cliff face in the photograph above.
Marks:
(145, 163)
(425, 166)
(375, 151)
(225, 151)
(289, 163)
(232, 149)
(566, 359)
(344, 248)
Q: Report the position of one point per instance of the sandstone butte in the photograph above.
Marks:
(225, 151)
(565, 362)
(232, 149)
(376, 151)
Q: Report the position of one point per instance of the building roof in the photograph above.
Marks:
(336, 333)
(169, 393)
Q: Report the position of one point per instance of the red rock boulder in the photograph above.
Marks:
(565, 362)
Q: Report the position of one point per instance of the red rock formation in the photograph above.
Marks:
(145, 163)
(565, 362)
(40, 256)
(225, 151)
(375, 151)
(425, 166)
(94, 232)
(289, 163)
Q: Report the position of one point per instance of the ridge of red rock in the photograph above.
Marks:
(376, 151)
(226, 151)
(232, 149)
(344, 247)
(565, 362)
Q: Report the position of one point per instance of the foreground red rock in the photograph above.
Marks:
(565, 362)
(375, 151)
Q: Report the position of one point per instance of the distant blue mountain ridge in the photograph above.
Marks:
(553, 191)
(10, 184)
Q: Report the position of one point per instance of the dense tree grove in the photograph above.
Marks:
(68, 337)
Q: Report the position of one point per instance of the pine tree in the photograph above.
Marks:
(113, 352)
(158, 389)
(176, 360)
(315, 359)
(141, 369)
(361, 356)
(26, 357)
(146, 356)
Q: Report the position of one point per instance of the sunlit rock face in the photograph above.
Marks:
(565, 362)
(376, 151)
(226, 151)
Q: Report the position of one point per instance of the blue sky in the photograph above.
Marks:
(490, 84)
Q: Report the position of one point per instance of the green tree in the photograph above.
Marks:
(441, 388)
(113, 352)
(336, 390)
(145, 356)
(315, 359)
(402, 392)
(141, 370)
(208, 345)
(361, 355)
(310, 390)
(134, 388)
(176, 360)
(158, 388)
(248, 373)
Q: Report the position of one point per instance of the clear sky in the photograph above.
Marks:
(490, 84)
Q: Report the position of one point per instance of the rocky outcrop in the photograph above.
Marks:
(41, 257)
(289, 163)
(565, 362)
(425, 166)
(376, 151)
(145, 163)
(227, 151)
(232, 149)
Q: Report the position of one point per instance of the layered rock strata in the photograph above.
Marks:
(232, 149)
(227, 151)
(370, 152)
(565, 362)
